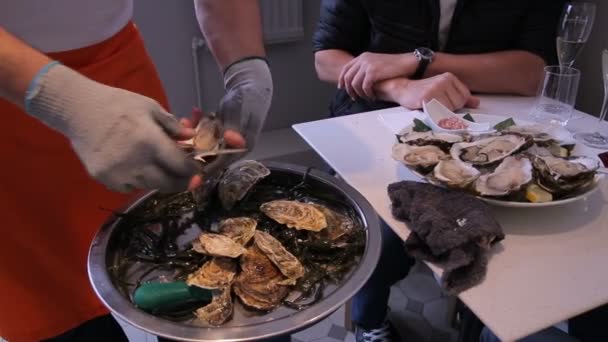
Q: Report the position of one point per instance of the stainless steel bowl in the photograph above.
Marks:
(243, 327)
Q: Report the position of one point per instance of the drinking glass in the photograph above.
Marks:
(556, 95)
(573, 30)
(599, 138)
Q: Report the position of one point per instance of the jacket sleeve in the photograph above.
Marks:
(539, 29)
(343, 25)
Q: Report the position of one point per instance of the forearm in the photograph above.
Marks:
(329, 64)
(232, 29)
(511, 72)
(387, 90)
(19, 63)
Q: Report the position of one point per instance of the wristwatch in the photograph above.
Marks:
(425, 57)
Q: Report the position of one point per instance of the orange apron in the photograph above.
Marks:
(50, 206)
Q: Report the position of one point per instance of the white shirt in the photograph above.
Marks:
(59, 25)
(447, 12)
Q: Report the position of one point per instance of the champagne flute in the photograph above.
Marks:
(573, 30)
(597, 139)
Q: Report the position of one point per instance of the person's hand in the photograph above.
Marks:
(446, 88)
(244, 107)
(360, 74)
(125, 140)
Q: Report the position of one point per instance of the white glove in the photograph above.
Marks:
(122, 138)
(248, 96)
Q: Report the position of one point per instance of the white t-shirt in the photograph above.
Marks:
(59, 25)
(447, 12)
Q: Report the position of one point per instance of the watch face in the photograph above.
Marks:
(425, 53)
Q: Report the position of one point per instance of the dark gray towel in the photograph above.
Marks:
(450, 228)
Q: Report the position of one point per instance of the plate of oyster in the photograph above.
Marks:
(517, 163)
(276, 247)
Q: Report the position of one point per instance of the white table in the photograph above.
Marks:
(553, 263)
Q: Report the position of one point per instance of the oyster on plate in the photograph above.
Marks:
(208, 141)
(295, 214)
(489, 150)
(441, 140)
(511, 175)
(216, 273)
(239, 229)
(559, 175)
(338, 225)
(258, 285)
(455, 173)
(422, 158)
(287, 263)
(238, 179)
(219, 310)
(217, 245)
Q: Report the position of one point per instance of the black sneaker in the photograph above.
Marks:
(384, 333)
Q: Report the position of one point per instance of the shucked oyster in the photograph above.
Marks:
(422, 158)
(510, 176)
(441, 140)
(219, 310)
(489, 150)
(214, 274)
(455, 173)
(295, 214)
(338, 225)
(238, 180)
(208, 141)
(559, 175)
(259, 283)
(217, 245)
(239, 229)
(287, 263)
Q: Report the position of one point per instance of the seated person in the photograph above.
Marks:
(378, 53)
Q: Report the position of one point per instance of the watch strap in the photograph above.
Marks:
(423, 63)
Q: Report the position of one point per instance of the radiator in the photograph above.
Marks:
(282, 20)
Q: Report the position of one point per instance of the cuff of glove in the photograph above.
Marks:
(34, 86)
(250, 58)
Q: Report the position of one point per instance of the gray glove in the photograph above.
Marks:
(122, 138)
(248, 96)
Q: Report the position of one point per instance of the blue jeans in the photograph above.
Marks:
(370, 304)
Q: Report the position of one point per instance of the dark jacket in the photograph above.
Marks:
(399, 26)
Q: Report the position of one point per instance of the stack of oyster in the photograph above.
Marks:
(518, 163)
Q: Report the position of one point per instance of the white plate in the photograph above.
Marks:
(397, 125)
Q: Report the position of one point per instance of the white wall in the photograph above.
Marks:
(168, 28)
(591, 89)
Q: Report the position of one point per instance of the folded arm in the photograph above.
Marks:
(511, 72)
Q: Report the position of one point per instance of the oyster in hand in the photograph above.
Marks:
(219, 310)
(259, 283)
(287, 263)
(217, 245)
(214, 274)
(295, 214)
(239, 229)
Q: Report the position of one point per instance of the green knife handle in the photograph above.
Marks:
(158, 296)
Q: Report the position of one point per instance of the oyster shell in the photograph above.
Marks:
(441, 140)
(258, 285)
(422, 158)
(219, 310)
(217, 245)
(238, 179)
(510, 176)
(216, 273)
(338, 225)
(455, 173)
(489, 150)
(295, 214)
(287, 263)
(208, 141)
(239, 229)
(559, 175)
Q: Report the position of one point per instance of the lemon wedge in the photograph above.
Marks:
(536, 194)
